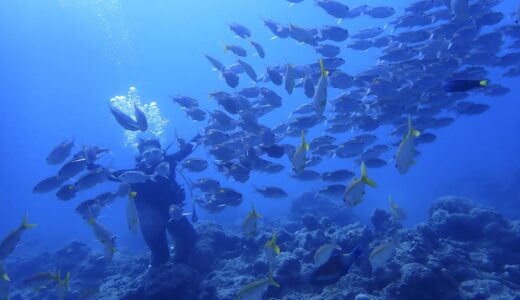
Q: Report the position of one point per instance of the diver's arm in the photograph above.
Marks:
(115, 174)
(185, 151)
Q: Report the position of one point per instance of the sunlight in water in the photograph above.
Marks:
(156, 123)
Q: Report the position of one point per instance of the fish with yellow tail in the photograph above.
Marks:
(249, 225)
(324, 252)
(404, 158)
(355, 190)
(299, 159)
(12, 239)
(397, 212)
(4, 283)
(105, 237)
(271, 248)
(3, 273)
(383, 253)
(131, 213)
(320, 94)
(63, 290)
(255, 290)
(49, 280)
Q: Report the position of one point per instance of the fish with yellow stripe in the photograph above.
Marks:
(12, 239)
(382, 253)
(131, 213)
(255, 290)
(105, 237)
(320, 94)
(299, 159)
(405, 156)
(397, 212)
(249, 225)
(271, 248)
(355, 190)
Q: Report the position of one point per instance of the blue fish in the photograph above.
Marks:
(334, 33)
(460, 85)
(140, 117)
(248, 69)
(123, 119)
(308, 87)
(328, 50)
(240, 30)
(276, 28)
(231, 78)
(274, 75)
(237, 50)
(259, 49)
(333, 8)
(217, 64)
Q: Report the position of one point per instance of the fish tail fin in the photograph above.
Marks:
(253, 211)
(413, 132)
(304, 144)
(324, 72)
(364, 177)
(4, 276)
(26, 225)
(226, 48)
(484, 83)
(274, 245)
(65, 282)
(271, 280)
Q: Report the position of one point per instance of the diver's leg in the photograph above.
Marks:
(153, 229)
(184, 237)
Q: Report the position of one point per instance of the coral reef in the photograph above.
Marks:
(462, 251)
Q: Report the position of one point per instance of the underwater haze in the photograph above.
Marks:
(419, 96)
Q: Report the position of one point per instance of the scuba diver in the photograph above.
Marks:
(155, 195)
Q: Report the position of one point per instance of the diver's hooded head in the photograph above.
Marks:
(150, 152)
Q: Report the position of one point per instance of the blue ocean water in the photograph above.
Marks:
(62, 61)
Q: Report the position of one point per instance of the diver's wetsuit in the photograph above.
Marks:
(153, 201)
